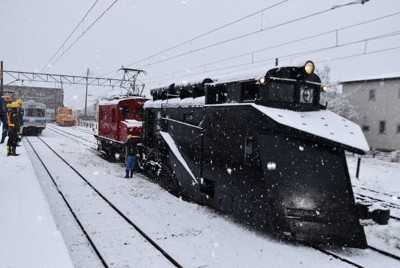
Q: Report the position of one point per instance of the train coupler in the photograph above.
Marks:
(368, 211)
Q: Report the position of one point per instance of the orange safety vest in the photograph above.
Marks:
(8, 119)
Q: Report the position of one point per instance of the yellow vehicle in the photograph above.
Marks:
(65, 117)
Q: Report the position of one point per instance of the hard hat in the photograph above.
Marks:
(8, 105)
(129, 136)
(13, 105)
(19, 101)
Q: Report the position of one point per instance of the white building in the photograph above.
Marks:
(377, 101)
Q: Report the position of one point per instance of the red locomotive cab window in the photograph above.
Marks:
(125, 113)
(140, 112)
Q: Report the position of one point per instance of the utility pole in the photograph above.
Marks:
(87, 85)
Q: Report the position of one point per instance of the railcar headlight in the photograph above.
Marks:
(324, 88)
(262, 80)
(309, 67)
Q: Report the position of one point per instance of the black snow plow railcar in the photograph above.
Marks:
(263, 150)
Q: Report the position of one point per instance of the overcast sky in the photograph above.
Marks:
(356, 41)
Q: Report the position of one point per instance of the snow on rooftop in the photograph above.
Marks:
(394, 75)
(176, 102)
(116, 99)
(251, 75)
(219, 79)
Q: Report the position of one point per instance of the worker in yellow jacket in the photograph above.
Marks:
(14, 128)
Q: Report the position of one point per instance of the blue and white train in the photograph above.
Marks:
(34, 118)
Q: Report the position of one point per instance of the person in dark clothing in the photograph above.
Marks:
(5, 125)
(21, 117)
(20, 111)
(131, 151)
(13, 122)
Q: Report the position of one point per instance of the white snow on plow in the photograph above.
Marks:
(171, 143)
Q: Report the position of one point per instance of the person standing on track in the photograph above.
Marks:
(130, 159)
(13, 122)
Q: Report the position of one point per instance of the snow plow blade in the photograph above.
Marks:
(311, 197)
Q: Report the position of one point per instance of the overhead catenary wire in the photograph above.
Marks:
(351, 3)
(263, 29)
(235, 38)
(206, 65)
(209, 32)
(157, 84)
(85, 31)
(73, 31)
(293, 41)
(202, 35)
(297, 54)
(152, 84)
(240, 36)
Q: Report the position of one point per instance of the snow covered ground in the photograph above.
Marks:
(29, 236)
(384, 177)
(196, 235)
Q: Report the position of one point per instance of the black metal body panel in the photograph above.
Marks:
(247, 165)
(226, 152)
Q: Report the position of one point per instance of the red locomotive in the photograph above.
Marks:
(117, 118)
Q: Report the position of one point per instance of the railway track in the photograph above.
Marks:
(394, 207)
(380, 256)
(341, 255)
(359, 196)
(92, 145)
(381, 193)
(82, 129)
(77, 138)
(120, 245)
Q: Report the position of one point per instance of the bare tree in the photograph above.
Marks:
(336, 100)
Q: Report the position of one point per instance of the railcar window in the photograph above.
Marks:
(125, 112)
(140, 112)
(34, 112)
(280, 92)
(250, 92)
(215, 94)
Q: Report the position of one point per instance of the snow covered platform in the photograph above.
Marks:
(28, 234)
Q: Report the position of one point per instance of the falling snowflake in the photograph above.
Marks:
(271, 166)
